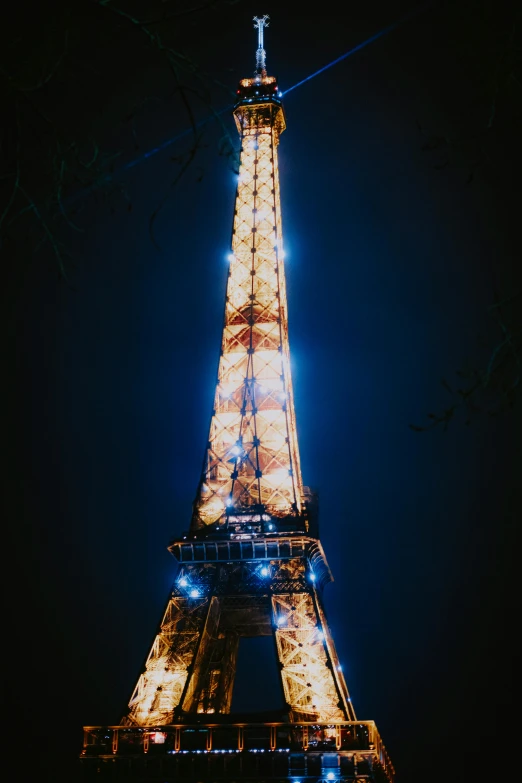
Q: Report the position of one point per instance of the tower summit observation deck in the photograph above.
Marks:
(251, 563)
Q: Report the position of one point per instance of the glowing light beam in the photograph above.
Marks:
(385, 31)
(362, 45)
(169, 142)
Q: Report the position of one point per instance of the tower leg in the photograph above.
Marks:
(213, 692)
(313, 687)
(192, 663)
(209, 688)
(163, 684)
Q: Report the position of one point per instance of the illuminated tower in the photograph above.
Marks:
(251, 563)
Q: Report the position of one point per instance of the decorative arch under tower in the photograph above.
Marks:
(251, 563)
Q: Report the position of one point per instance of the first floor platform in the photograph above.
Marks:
(218, 752)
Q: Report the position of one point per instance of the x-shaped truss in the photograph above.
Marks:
(160, 686)
(309, 683)
(252, 456)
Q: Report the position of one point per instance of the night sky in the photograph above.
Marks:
(396, 244)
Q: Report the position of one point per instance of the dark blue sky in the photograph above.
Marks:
(392, 263)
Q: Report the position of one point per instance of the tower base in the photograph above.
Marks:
(248, 752)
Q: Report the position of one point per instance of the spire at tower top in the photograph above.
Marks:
(259, 24)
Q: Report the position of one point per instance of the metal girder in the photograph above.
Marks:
(250, 565)
(252, 457)
(192, 663)
(311, 679)
(257, 549)
(161, 685)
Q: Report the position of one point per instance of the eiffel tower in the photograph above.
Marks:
(251, 563)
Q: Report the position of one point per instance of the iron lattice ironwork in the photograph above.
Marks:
(191, 666)
(252, 459)
(251, 563)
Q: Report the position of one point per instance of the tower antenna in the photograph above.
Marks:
(260, 24)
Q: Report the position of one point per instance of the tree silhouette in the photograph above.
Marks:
(77, 82)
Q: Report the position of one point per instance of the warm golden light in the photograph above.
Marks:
(252, 456)
(308, 683)
(160, 687)
(251, 477)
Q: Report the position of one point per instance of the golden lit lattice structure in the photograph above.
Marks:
(252, 458)
(306, 661)
(192, 663)
(161, 685)
(251, 485)
(252, 563)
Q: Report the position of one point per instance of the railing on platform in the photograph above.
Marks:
(354, 744)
